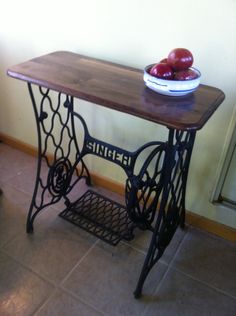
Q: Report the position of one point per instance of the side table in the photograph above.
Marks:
(155, 193)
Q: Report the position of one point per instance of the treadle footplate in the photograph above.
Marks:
(101, 217)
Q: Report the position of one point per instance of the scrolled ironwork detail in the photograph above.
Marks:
(171, 210)
(144, 189)
(154, 193)
(43, 116)
(59, 177)
(57, 135)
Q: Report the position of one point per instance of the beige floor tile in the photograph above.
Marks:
(9, 229)
(23, 174)
(24, 180)
(13, 210)
(53, 249)
(142, 241)
(107, 277)
(180, 295)
(62, 304)
(21, 292)
(210, 259)
(5, 176)
(13, 202)
(13, 162)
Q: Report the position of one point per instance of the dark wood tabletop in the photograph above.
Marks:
(118, 87)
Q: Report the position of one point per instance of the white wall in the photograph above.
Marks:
(135, 33)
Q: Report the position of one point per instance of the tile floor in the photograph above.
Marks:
(61, 270)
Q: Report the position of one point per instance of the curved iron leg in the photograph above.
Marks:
(172, 206)
(150, 260)
(185, 176)
(50, 188)
(29, 223)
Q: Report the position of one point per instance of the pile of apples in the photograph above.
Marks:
(176, 66)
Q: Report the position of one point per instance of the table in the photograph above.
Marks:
(155, 194)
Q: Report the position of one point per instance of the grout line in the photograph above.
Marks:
(20, 190)
(169, 267)
(44, 303)
(133, 247)
(61, 286)
(78, 298)
(9, 241)
(143, 252)
(178, 248)
(56, 286)
(78, 263)
(193, 278)
(171, 262)
(204, 283)
(42, 277)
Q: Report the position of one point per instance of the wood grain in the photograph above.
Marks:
(118, 87)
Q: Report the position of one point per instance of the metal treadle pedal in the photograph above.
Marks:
(101, 217)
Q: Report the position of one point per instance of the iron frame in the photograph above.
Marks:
(154, 195)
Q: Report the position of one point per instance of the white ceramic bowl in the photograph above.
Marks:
(171, 87)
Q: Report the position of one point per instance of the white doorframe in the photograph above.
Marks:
(217, 196)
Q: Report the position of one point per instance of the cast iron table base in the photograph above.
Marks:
(154, 191)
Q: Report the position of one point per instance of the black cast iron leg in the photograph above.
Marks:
(154, 253)
(30, 220)
(64, 166)
(189, 148)
(172, 205)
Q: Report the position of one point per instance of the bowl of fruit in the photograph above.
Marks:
(174, 75)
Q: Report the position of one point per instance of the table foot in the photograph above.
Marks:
(29, 229)
(138, 293)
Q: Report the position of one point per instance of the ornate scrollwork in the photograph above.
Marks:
(143, 190)
(59, 177)
(155, 192)
(171, 210)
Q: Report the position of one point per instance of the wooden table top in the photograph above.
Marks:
(118, 87)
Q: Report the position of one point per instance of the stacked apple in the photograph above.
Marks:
(176, 66)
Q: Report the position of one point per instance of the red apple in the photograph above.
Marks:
(188, 74)
(162, 70)
(180, 59)
(164, 60)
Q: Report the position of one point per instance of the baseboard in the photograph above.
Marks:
(193, 219)
(18, 144)
(211, 226)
